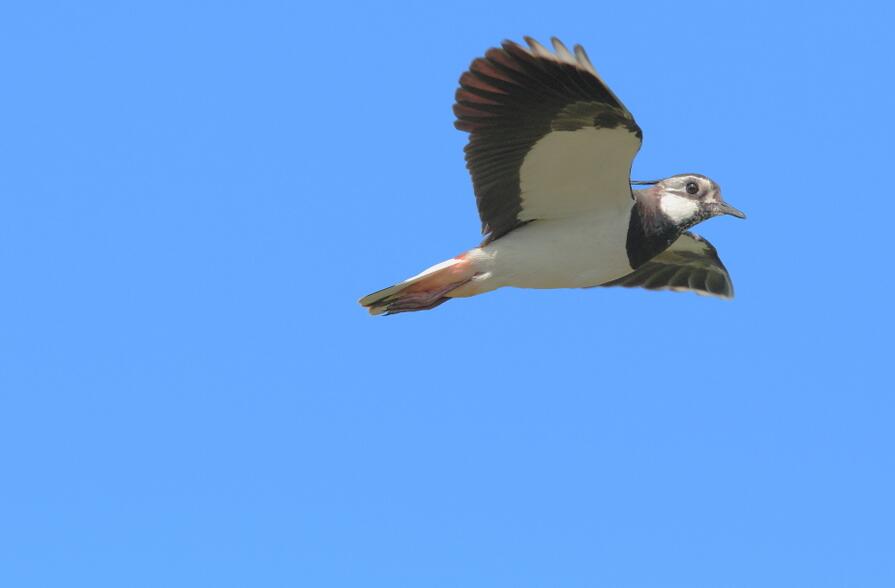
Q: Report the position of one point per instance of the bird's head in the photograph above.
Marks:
(688, 199)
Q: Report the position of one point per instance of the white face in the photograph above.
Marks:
(685, 199)
(680, 209)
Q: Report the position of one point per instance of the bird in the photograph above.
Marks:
(550, 151)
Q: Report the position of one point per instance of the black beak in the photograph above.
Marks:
(726, 208)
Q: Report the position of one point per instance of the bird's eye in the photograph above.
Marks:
(692, 188)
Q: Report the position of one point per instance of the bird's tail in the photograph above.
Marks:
(423, 291)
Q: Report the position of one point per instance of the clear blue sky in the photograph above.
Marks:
(194, 194)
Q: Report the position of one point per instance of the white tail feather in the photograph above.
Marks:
(423, 291)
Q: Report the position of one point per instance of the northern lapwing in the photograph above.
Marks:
(550, 151)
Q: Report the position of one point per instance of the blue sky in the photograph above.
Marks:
(193, 196)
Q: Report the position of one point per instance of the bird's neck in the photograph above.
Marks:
(650, 231)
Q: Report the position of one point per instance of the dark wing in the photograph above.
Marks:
(548, 139)
(689, 264)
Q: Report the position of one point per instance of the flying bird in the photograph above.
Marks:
(550, 152)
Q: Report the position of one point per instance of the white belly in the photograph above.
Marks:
(587, 250)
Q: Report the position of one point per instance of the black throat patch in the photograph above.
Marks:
(649, 231)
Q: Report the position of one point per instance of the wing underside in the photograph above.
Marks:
(548, 138)
(690, 264)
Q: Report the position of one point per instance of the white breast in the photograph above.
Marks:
(586, 250)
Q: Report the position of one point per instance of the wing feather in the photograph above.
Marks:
(525, 110)
(690, 264)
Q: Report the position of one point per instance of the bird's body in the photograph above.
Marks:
(577, 252)
(550, 153)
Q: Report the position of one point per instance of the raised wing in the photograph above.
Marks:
(689, 264)
(548, 139)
